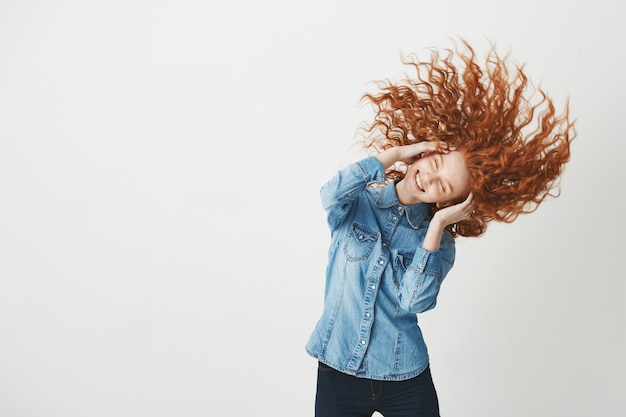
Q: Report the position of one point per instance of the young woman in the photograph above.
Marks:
(453, 149)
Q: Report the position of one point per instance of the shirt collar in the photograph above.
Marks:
(415, 213)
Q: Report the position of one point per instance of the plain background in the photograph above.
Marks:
(162, 244)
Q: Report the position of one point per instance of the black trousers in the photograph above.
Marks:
(342, 395)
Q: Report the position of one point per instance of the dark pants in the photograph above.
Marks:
(342, 395)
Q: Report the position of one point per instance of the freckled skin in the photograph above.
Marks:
(435, 178)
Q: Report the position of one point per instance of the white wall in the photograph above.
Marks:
(162, 246)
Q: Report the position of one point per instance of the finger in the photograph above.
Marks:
(441, 146)
(430, 146)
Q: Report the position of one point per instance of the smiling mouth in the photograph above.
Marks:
(418, 181)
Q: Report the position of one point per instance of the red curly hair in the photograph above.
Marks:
(515, 149)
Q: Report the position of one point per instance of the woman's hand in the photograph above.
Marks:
(456, 212)
(444, 217)
(409, 153)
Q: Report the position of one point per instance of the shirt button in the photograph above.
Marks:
(393, 218)
(362, 342)
(367, 314)
(381, 262)
(384, 244)
(399, 209)
(373, 287)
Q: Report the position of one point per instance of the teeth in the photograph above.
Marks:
(419, 181)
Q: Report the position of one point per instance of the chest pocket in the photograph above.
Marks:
(402, 263)
(360, 243)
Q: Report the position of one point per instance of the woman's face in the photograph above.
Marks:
(435, 178)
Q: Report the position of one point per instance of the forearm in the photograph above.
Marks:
(432, 240)
(389, 156)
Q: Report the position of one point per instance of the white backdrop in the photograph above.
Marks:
(162, 245)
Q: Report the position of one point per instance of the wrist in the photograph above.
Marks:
(438, 221)
(433, 234)
(388, 157)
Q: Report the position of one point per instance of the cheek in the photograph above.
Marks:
(460, 196)
(461, 188)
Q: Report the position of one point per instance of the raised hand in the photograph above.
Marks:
(444, 217)
(456, 212)
(410, 153)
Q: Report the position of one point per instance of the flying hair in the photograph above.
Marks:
(515, 148)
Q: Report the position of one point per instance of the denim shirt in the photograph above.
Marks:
(378, 278)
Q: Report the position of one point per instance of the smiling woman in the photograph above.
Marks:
(515, 149)
(441, 178)
(449, 155)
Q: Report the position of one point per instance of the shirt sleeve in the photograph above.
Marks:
(339, 192)
(422, 280)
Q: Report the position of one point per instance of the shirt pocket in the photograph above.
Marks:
(400, 265)
(360, 242)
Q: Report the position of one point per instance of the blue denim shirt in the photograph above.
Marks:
(378, 278)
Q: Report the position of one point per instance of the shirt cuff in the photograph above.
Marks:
(427, 261)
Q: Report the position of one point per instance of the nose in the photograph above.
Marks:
(428, 177)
